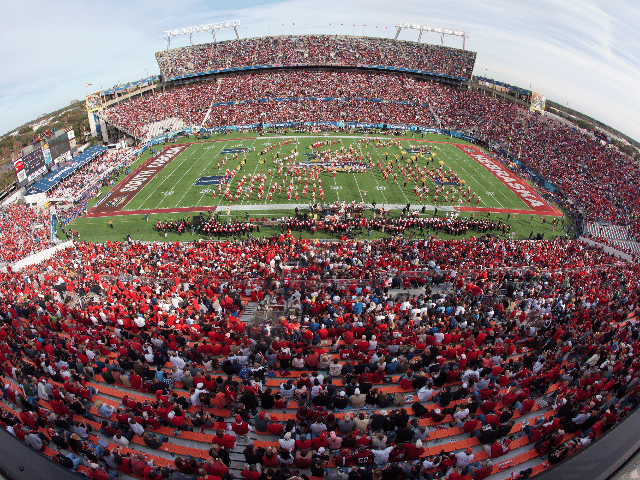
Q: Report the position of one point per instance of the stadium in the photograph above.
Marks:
(307, 256)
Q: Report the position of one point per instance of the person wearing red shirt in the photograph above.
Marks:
(215, 467)
(459, 474)
(399, 453)
(240, 427)
(482, 471)
(527, 405)
(344, 458)
(320, 441)
(363, 456)
(348, 337)
(488, 405)
(447, 461)
(250, 473)
(497, 449)
(97, 473)
(275, 427)
(303, 443)
(224, 440)
(151, 473)
(470, 425)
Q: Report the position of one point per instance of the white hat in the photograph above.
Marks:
(321, 450)
(93, 465)
(200, 385)
(356, 391)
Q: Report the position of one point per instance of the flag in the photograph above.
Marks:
(88, 85)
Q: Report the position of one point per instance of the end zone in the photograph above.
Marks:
(136, 180)
(517, 185)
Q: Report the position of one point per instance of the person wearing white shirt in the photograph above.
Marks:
(319, 376)
(120, 440)
(177, 374)
(463, 459)
(136, 427)
(148, 356)
(381, 456)
(61, 363)
(287, 442)
(177, 361)
(424, 394)
(175, 300)
(287, 389)
(195, 397)
(140, 322)
(42, 391)
(461, 414)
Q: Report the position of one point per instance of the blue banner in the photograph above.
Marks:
(262, 67)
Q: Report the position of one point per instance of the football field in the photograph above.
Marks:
(268, 177)
(282, 172)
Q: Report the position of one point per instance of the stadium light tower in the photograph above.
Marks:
(425, 28)
(211, 27)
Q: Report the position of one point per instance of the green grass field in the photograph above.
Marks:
(175, 185)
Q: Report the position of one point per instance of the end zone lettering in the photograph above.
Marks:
(132, 184)
(151, 168)
(517, 186)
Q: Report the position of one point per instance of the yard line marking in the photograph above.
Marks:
(462, 165)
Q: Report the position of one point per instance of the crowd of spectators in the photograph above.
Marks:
(316, 50)
(594, 175)
(496, 326)
(598, 178)
(90, 175)
(23, 232)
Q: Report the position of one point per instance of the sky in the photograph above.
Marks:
(580, 53)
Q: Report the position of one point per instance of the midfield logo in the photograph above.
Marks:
(215, 180)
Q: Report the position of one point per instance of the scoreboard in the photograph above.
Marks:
(58, 148)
